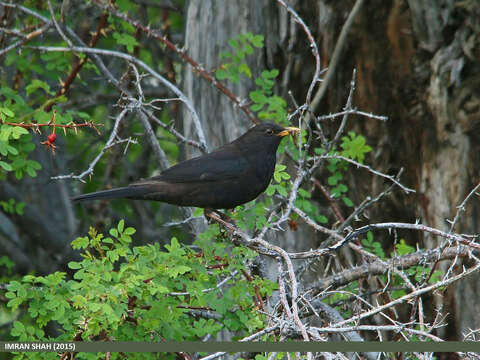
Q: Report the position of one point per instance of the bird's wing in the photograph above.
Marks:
(222, 164)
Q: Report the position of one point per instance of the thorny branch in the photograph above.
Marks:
(108, 144)
(180, 52)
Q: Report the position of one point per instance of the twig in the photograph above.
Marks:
(313, 45)
(393, 225)
(174, 132)
(360, 165)
(218, 286)
(409, 296)
(78, 66)
(90, 168)
(247, 338)
(396, 328)
(348, 105)
(26, 38)
(461, 207)
(351, 112)
(336, 55)
(57, 26)
(36, 127)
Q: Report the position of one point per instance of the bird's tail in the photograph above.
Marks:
(123, 192)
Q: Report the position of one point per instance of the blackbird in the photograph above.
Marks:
(228, 176)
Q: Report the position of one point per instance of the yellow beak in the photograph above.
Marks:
(289, 130)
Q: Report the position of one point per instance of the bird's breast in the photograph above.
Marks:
(263, 169)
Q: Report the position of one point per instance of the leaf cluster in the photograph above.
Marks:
(143, 293)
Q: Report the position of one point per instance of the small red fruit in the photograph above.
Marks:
(51, 138)
(292, 225)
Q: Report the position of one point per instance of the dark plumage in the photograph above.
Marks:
(228, 176)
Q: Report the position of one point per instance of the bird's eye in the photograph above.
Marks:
(269, 131)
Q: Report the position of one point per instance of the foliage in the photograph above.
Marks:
(269, 106)
(242, 46)
(417, 273)
(121, 292)
(12, 207)
(354, 147)
(15, 144)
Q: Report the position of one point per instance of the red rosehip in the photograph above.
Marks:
(51, 138)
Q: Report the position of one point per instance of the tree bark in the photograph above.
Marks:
(417, 63)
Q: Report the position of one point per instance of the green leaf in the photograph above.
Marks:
(30, 171)
(18, 131)
(270, 190)
(322, 219)
(129, 231)
(80, 243)
(347, 201)
(270, 74)
(436, 276)
(12, 150)
(38, 84)
(5, 166)
(27, 147)
(282, 191)
(342, 188)
(256, 107)
(398, 294)
(277, 176)
(243, 68)
(304, 193)
(332, 180)
(120, 226)
(257, 41)
(225, 55)
(176, 270)
(221, 74)
(7, 111)
(233, 43)
(354, 146)
(126, 39)
(19, 163)
(74, 265)
(5, 132)
(18, 328)
(34, 164)
(258, 97)
(42, 117)
(3, 148)
(403, 248)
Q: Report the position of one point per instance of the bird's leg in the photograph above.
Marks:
(217, 216)
(227, 218)
(220, 218)
(207, 212)
(212, 216)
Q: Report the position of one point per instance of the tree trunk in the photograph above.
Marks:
(417, 63)
(210, 24)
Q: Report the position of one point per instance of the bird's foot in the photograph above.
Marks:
(219, 217)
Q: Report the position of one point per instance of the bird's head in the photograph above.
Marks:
(269, 132)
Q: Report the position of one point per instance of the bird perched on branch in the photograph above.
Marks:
(228, 176)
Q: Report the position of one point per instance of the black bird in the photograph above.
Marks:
(228, 176)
